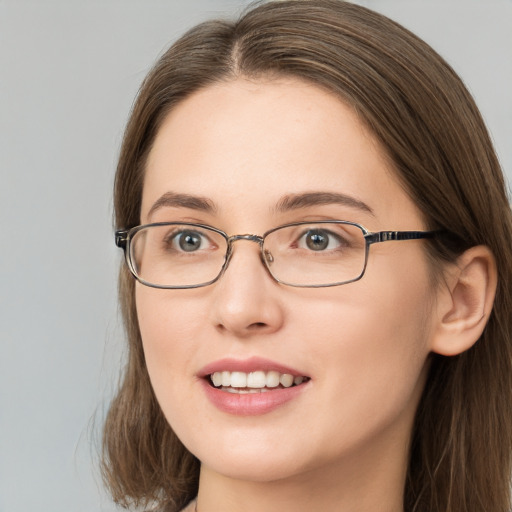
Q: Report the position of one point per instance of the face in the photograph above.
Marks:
(244, 149)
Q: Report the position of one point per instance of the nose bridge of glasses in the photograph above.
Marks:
(266, 257)
(250, 238)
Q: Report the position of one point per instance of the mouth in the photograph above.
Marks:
(258, 381)
(253, 386)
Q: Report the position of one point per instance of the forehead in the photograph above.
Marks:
(245, 144)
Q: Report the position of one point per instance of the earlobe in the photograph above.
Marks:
(464, 302)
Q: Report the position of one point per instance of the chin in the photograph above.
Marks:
(253, 457)
(255, 469)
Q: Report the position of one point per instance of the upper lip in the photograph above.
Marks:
(252, 364)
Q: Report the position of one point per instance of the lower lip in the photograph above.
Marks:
(251, 404)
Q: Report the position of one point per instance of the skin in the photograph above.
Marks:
(342, 444)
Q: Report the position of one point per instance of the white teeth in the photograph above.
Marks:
(272, 379)
(286, 380)
(244, 391)
(217, 379)
(238, 380)
(255, 381)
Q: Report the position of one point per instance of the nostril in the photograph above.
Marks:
(257, 325)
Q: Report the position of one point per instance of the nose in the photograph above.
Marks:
(246, 298)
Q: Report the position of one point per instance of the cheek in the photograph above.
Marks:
(169, 327)
(166, 316)
(371, 345)
(384, 341)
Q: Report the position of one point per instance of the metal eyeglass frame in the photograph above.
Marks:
(123, 238)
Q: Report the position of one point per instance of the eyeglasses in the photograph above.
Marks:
(302, 254)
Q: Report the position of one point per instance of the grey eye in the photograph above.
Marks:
(316, 240)
(189, 241)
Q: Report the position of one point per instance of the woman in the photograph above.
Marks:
(320, 235)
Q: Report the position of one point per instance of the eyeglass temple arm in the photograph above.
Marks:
(386, 236)
(121, 237)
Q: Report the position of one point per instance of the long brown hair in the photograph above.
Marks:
(433, 133)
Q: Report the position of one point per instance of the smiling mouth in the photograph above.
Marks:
(254, 382)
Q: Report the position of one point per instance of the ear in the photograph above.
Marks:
(464, 302)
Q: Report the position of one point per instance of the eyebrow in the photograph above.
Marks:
(298, 201)
(172, 199)
(285, 203)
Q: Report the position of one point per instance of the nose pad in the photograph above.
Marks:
(229, 254)
(267, 257)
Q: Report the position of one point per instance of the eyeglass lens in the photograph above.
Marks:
(315, 254)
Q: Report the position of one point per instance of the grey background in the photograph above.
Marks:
(69, 73)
